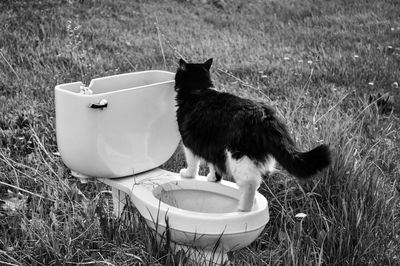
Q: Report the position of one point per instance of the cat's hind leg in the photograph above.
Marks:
(247, 176)
(192, 162)
(247, 195)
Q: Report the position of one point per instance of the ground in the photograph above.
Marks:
(316, 61)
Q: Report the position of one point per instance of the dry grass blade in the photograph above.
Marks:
(26, 191)
(8, 63)
(160, 42)
(11, 258)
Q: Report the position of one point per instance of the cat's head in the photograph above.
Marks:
(193, 77)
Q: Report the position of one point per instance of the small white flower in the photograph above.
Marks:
(300, 61)
(356, 56)
(309, 62)
(392, 29)
(286, 58)
(300, 215)
(371, 83)
(395, 85)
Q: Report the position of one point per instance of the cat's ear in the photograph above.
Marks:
(208, 63)
(182, 64)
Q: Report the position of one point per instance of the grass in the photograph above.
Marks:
(312, 60)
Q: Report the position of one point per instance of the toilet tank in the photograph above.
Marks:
(118, 126)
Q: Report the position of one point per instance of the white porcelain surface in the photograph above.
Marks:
(200, 224)
(136, 132)
(200, 199)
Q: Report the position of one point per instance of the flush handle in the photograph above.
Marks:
(100, 105)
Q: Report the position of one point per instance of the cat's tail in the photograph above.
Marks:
(302, 164)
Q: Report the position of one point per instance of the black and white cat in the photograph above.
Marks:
(237, 137)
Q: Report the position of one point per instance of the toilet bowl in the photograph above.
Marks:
(119, 130)
(199, 213)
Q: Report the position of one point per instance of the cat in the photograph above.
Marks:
(236, 137)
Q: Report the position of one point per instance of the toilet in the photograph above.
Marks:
(119, 130)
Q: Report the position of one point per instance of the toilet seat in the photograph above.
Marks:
(141, 190)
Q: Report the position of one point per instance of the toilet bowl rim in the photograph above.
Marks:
(154, 209)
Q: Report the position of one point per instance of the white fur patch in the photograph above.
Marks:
(248, 175)
(211, 175)
(268, 166)
(243, 170)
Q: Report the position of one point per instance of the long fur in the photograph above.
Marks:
(214, 124)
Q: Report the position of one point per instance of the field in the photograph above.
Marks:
(316, 61)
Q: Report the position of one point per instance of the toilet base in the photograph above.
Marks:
(81, 177)
(197, 245)
(119, 201)
(203, 257)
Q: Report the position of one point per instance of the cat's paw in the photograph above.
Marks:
(211, 177)
(245, 206)
(185, 173)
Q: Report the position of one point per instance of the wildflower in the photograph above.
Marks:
(300, 215)
(371, 83)
(395, 85)
(309, 62)
(286, 58)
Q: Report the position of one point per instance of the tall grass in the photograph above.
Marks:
(262, 51)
